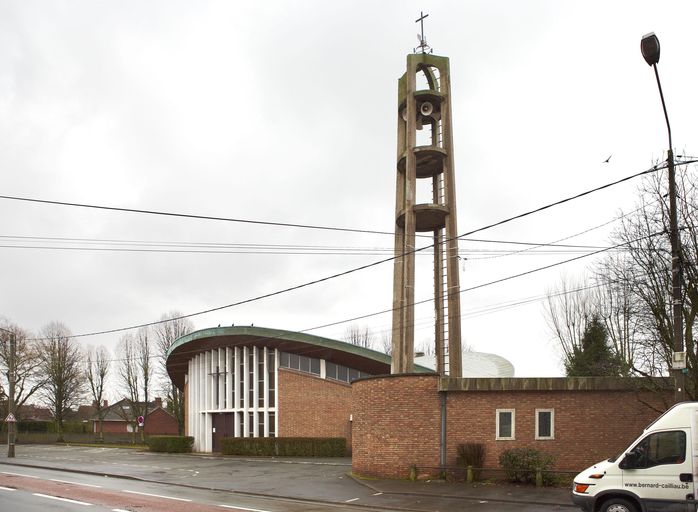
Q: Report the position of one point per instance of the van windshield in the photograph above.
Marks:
(615, 457)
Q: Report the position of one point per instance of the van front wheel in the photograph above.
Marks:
(618, 505)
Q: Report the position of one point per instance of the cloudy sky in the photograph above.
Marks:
(284, 112)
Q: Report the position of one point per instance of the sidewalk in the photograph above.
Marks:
(319, 480)
(478, 492)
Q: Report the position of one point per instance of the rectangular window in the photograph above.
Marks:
(272, 380)
(343, 373)
(506, 424)
(260, 378)
(294, 363)
(545, 423)
(315, 366)
(272, 424)
(330, 370)
(304, 364)
(285, 359)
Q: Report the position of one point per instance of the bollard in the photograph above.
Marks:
(469, 475)
(539, 478)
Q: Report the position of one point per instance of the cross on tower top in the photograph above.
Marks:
(422, 40)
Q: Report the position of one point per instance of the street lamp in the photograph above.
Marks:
(650, 51)
(11, 377)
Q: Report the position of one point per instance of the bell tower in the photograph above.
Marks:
(425, 153)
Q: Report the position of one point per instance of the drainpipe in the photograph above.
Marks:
(442, 461)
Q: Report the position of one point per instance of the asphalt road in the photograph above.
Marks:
(164, 482)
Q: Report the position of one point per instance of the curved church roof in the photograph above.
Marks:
(475, 364)
(339, 352)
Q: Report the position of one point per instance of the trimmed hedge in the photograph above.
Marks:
(521, 465)
(170, 444)
(285, 446)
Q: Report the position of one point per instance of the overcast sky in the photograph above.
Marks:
(285, 112)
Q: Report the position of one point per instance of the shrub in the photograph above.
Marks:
(472, 454)
(285, 446)
(170, 444)
(520, 464)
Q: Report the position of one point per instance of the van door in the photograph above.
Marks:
(659, 470)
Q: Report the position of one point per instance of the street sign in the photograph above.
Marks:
(10, 418)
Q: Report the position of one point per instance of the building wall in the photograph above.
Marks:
(589, 426)
(309, 406)
(160, 422)
(397, 421)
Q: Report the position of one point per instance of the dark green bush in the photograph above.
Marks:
(170, 444)
(520, 464)
(472, 454)
(285, 446)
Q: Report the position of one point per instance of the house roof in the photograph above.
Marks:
(121, 410)
(339, 352)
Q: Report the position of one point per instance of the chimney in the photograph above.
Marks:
(158, 402)
(106, 404)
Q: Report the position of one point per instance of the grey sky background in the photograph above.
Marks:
(286, 112)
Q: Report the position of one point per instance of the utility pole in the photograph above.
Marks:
(11, 399)
(11, 377)
(649, 46)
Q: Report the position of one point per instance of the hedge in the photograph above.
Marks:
(170, 444)
(285, 446)
(522, 464)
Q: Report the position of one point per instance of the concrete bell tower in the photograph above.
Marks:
(425, 152)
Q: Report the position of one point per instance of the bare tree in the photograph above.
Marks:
(28, 378)
(386, 343)
(568, 308)
(359, 336)
(172, 328)
(135, 374)
(96, 371)
(60, 361)
(634, 285)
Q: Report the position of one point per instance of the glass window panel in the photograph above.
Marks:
(272, 424)
(284, 360)
(294, 361)
(545, 424)
(353, 374)
(342, 373)
(315, 366)
(330, 370)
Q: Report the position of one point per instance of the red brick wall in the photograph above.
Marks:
(309, 406)
(589, 426)
(397, 423)
(160, 422)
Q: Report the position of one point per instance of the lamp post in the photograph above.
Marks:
(11, 377)
(650, 51)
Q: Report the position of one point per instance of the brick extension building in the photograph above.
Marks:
(256, 382)
(120, 418)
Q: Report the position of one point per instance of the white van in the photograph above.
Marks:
(656, 472)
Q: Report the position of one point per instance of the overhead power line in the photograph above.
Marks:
(376, 263)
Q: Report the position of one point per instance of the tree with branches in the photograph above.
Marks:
(60, 361)
(28, 379)
(171, 328)
(96, 371)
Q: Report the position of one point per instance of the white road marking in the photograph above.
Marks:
(156, 495)
(74, 483)
(119, 510)
(377, 493)
(243, 508)
(7, 489)
(75, 502)
(18, 474)
(349, 501)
